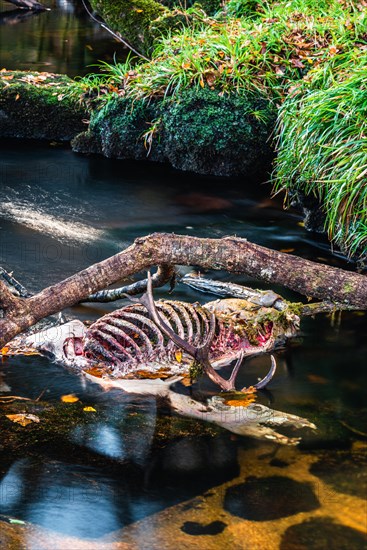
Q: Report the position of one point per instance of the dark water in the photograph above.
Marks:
(62, 40)
(133, 472)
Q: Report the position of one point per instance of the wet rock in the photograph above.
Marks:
(322, 534)
(278, 463)
(196, 529)
(269, 498)
(344, 471)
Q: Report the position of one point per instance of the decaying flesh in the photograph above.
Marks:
(165, 338)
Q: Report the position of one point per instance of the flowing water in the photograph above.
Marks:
(132, 474)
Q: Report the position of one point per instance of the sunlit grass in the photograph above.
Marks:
(300, 52)
(322, 150)
(262, 54)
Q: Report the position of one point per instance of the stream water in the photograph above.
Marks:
(133, 474)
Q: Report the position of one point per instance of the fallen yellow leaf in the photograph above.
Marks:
(178, 356)
(70, 398)
(23, 419)
(89, 409)
(4, 350)
(241, 402)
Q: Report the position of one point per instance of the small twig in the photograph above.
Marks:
(40, 395)
(21, 290)
(306, 310)
(11, 398)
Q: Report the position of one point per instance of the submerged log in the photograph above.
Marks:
(235, 255)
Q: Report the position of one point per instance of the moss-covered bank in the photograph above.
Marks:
(37, 106)
(238, 53)
(199, 132)
(142, 22)
(207, 98)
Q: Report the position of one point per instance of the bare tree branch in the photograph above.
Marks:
(230, 254)
(29, 5)
(164, 274)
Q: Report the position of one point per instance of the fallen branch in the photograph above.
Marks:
(29, 5)
(231, 254)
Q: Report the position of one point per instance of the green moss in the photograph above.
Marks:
(201, 132)
(195, 371)
(212, 134)
(118, 131)
(131, 18)
(348, 287)
(36, 105)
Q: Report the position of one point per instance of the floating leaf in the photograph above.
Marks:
(23, 419)
(286, 250)
(4, 350)
(241, 401)
(89, 409)
(89, 47)
(17, 97)
(69, 398)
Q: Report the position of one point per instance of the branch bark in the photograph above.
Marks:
(29, 5)
(231, 254)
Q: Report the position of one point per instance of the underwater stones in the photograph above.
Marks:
(322, 534)
(269, 498)
(36, 106)
(344, 471)
(196, 529)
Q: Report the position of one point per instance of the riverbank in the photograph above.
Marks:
(219, 86)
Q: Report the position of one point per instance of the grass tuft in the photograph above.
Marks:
(322, 151)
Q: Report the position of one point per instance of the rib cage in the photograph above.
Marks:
(128, 337)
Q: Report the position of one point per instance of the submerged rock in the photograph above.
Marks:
(269, 498)
(322, 534)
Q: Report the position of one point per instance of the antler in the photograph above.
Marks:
(199, 353)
